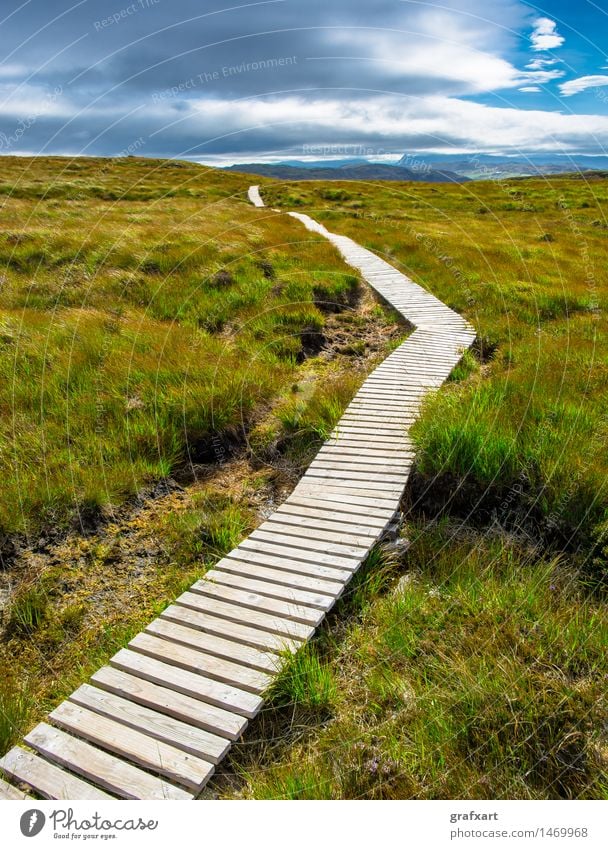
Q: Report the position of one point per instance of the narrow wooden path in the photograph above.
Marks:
(153, 723)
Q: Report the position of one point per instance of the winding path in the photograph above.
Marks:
(153, 722)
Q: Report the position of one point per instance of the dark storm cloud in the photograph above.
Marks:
(194, 78)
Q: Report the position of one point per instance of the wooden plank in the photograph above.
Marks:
(194, 660)
(376, 410)
(307, 549)
(366, 478)
(361, 430)
(272, 623)
(360, 445)
(269, 590)
(364, 437)
(281, 578)
(364, 455)
(389, 415)
(111, 773)
(391, 407)
(263, 661)
(341, 559)
(10, 793)
(370, 431)
(339, 503)
(380, 395)
(130, 745)
(389, 410)
(192, 711)
(345, 514)
(46, 779)
(372, 490)
(291, 564)
(316, 520)
(157, 725)
(191, 618)
(373, 419)
(376, 498)
(329, 546)
(299, 613)
(321, 536)
(188, 683)
(369, 466)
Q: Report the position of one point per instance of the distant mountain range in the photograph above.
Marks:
(440, 168)
(334, 171)
(490, 167)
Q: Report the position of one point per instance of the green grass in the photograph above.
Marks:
(147, 309)
(531, 423)
(479, 674)
(153, 326)
(144, 308)
(305, 681)
(475, 667)
(16, 705)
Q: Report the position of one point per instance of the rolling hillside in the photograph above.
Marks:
(472, 666)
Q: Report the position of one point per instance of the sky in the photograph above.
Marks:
(303, 79)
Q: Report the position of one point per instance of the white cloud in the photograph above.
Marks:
(432, 65)
(530, 88)
(392, 122)
(581, 83)
(7, 71)
(538, 64)
(545, 35)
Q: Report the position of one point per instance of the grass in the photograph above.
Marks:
(305, 681)
(528, 420)
(471, 667)
(479, 673)
(474, 666)
(144, 308)
(154, 327)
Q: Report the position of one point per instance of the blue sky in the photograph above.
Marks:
(302, 78)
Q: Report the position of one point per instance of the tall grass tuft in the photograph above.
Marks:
(305, 681)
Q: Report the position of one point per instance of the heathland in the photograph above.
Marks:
(159, 384)
(473, 666)
(160, 337)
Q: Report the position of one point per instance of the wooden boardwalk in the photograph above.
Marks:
(153, 723)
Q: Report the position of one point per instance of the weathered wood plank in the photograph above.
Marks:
(157, 725)
(347, 512)
(113, 774)
(258, 639)
(317, 520)
(305, 615)
(265, 588)
(10, 793)
(264, 661)
(46, 779)
(194, 660)
(170, 702)
(339, 560)
(188, 683)
(281, 560)
(272, 623)
(133, 746)
(342, 504)
(282, 578)
(288, 540)
(317, 539)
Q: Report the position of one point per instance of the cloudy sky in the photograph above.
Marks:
(224, 83)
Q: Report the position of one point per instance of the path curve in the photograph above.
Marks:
(154, 722)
